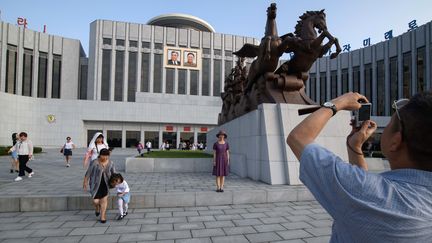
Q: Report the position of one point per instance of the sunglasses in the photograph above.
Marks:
(397, 105)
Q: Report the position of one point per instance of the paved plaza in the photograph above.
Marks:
(275, 222)
(245, 218)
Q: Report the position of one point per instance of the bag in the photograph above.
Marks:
(62, 149)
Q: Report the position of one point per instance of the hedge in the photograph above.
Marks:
(4, 150)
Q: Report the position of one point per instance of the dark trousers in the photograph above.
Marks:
(23, 159)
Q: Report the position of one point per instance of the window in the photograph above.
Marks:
(132, 76)
(132, 138)
(206, 51)
(158, 46)
(217, 71)
(106, 74)
(345, 81)
(228, 53)
(153, 137)
(393, 81)
(120, 42)
(157, 73)
(11, 66)
(133, 43)
(312, 86)
(356, 79)
(228, 67)
(421, 69)
(145, 72)
(42, 74)
(323, 87)
(205, 77)
(193, 82)
(333, 84)
(56, 76)
(181, 81)
(27, 78)
(145, 44)
(368, 81)
(380, 88)
(169, 89)
(118, 78)
(406, 81)
(106, 41)
(114, 138)
(83, 82)
(218, 52)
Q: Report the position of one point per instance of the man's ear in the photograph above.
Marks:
(396, 141)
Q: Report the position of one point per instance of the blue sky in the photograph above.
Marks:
(350, 21)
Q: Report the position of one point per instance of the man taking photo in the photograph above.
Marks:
(394, 206)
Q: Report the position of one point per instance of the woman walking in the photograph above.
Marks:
(24, 148)
(97, 177)
(97, 143)
(14, 153)
(67, 150)
(220, 160)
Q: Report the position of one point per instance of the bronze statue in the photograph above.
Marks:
(267, 53)
(287, 83)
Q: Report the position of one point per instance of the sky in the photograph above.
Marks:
(350, 21)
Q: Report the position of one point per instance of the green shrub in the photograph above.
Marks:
(4, 150)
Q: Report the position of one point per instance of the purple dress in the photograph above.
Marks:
(222, 167)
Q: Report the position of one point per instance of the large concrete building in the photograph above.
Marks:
(129, 92)
(130, 89)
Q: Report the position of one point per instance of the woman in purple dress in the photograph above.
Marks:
(220, 160)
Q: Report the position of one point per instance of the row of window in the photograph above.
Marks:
(160, 46)
(132, 78)
(367, 85)
(114, 137)
(27, 74)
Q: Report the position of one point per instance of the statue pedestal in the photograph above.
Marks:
(258, 145)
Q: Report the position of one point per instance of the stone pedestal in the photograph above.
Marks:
(258, 145)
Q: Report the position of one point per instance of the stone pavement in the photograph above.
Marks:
(271, 222)
(56, 187)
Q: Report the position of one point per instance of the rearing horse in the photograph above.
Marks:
(270, 49)
(306, 45)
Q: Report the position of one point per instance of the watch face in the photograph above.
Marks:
(328, 104)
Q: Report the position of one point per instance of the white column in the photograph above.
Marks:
(139, 60)
(113, 62)
(123, 138)
(34, 88)
(178, 137)
(195, 136)
(160, 137)
(50, 66)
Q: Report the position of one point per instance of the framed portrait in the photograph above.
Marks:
(182, 58)
(189, 58)
(173, 57)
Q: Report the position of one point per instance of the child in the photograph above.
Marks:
(123, 193)
(140, 148)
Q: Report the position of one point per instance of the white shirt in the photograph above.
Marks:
(95, 152)
(24, 147)
(148, 145)
(69, 145)
(122, 187)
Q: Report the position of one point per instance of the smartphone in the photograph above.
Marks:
(362, 114)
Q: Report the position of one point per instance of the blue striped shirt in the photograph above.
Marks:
(394, 206)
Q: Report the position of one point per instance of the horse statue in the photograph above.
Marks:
(306, 45)
(268, 52)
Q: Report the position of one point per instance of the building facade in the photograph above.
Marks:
(384, 72)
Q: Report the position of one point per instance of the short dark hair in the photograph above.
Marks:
(417, 120)
(23, 134)
(114, 177)
(190, 53)
(68, 137)
(104, 151)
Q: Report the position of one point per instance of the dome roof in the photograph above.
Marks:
(183, 21)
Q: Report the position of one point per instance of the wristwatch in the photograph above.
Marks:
(331, 106)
